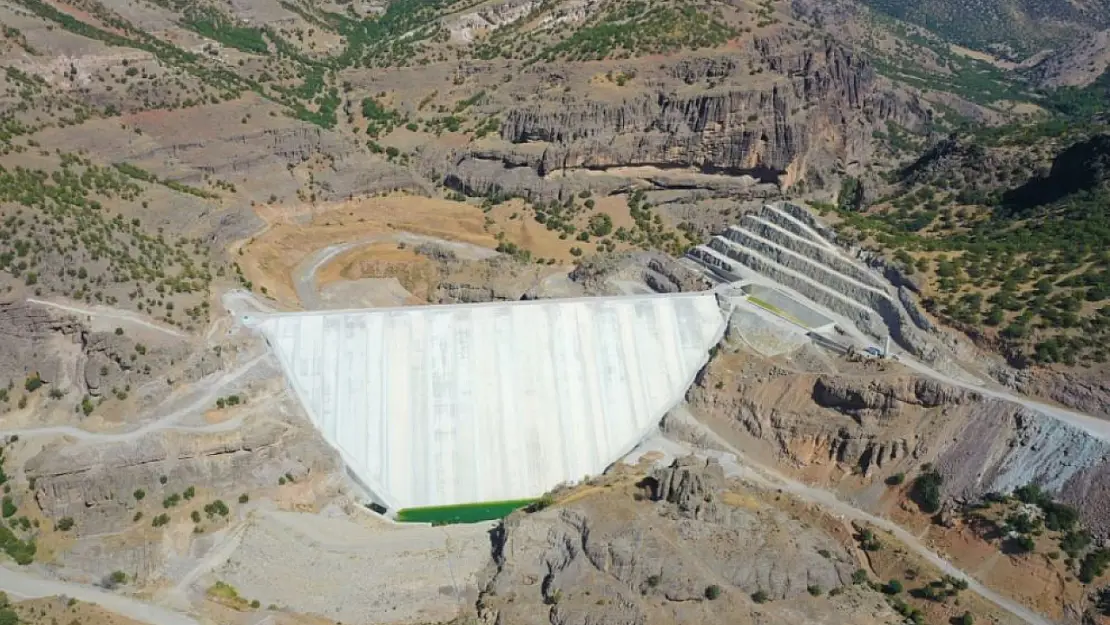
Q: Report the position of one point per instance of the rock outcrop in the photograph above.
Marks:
(70, 358)
(655, 270)
(813, 107)
(96, 484)
(609, 560)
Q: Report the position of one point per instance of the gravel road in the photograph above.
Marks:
(21, 585)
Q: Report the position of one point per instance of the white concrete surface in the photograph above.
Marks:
(439, 405)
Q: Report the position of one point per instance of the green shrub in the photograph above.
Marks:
(1023, 544)
(545, 501)
(8, 507)
(22, 551)
(1093, 565)
(896, 480)
(760, 597)
(926, 491)
(893, 587)
(814, 590)
(712, 592)
(64, 524)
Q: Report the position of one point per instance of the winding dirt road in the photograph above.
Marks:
(167, 421)
(738, 464)
(21, 585)
(106, 313)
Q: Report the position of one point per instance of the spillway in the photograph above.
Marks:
(445, 405)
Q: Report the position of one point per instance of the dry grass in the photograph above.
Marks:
(51, 610)
(294, 233)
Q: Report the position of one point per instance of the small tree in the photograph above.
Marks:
(814, 590)
(64, 524)
(926, 490)
(760, 597)
(893, 587)
(712, 592)
(139, 494)
(967, 619)
(117, 578)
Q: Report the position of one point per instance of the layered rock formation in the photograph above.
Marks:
(813, 106)
(95, 484)
(68, 356)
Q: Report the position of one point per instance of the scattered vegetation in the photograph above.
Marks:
(638, 28)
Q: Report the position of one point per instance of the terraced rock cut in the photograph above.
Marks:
(785, 244)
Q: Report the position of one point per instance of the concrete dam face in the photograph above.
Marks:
(446, 405)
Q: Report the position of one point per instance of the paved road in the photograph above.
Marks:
(22, 585)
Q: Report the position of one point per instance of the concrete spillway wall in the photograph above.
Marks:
(445, 405)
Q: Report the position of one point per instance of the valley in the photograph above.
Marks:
(279, 276)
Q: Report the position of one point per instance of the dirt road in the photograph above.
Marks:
(168, 421)
(21, 585)
(115, 314)
(738, 464)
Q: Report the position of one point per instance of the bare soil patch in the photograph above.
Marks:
(294, 233)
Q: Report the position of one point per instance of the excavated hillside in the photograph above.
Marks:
(784, 243)
(857, 426)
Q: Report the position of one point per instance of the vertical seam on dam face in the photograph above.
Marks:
(537, 358)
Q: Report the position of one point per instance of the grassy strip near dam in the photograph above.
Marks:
(463, 513)
(776, 310)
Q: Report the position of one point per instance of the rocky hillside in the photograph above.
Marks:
(686, 545)
(860, 426)
(1013, 29)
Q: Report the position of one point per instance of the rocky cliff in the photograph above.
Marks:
(783, 109)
